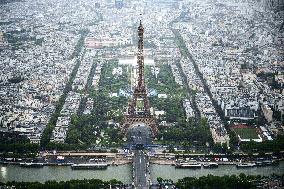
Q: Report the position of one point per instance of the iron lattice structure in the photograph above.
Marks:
(139, 109)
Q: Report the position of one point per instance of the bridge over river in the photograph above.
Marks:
(138, 137)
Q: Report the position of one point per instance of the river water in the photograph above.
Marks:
(170, 172)
(123, 172)
(63, 173)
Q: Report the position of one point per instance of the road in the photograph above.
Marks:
(138, 137)
(140, 170)
(139, 134)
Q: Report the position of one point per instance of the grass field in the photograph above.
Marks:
(246, 133)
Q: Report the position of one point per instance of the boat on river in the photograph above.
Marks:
(210, 165)
(89, 166)
(32, 165)
(266, 163)
(188, 165)
(245, 165)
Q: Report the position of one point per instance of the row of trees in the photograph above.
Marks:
(217, 182)
(275, 145)
(188, 134)
(205, 182)
(85, 130)
(72, 184)
(19, 145)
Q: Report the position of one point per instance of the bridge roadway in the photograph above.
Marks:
(140, 170)
(138, 137)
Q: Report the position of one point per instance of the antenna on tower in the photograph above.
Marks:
(140, 15)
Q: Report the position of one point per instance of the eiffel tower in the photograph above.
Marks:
(139, 109)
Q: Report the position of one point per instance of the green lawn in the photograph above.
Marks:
(246, 133)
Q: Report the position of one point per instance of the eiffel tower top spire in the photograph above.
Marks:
(140, 60)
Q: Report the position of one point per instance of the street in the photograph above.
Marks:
(140, 169)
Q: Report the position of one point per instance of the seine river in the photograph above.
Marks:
(123, 172)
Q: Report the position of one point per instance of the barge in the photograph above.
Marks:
(89, 166)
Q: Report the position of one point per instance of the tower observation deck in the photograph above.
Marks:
(138, 109)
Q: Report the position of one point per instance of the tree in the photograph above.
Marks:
(159, 180)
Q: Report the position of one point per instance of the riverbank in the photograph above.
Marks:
(173, 163)
(220, 159)
(115, 162)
